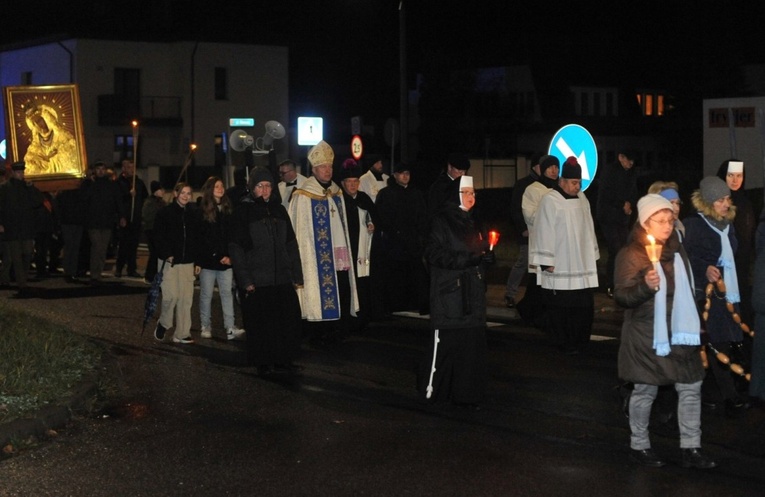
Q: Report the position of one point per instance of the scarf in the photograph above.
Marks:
(685, 322)
(727, 262)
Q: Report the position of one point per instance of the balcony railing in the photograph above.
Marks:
(118, 110)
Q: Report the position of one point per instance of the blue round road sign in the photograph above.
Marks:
(573, 139)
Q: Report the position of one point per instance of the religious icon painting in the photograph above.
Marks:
(44, 126)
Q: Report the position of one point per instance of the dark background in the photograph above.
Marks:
(344, 54)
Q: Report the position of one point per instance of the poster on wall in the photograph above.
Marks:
(44, 125)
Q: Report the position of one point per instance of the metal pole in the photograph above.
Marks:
(403, 93)
(135, 167)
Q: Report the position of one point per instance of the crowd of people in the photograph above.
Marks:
(687, 285)
(321, 256)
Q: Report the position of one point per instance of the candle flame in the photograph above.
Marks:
(652, 239)
(493, 239)
(193, 146)
(135, 124)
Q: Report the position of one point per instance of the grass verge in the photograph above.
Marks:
(40, 362)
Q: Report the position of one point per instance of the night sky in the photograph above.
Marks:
(344, 54)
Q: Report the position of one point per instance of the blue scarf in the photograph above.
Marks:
(728, 263)
(686, 327)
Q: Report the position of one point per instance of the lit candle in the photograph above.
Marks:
(135, 142)
(493, 239)
(651, 249)
(654, 254)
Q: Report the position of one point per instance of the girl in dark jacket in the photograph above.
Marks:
(661, 331)
(455, 369)
(264, 252)
(214, 262)
(176, 227)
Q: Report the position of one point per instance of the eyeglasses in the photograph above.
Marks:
(662, 222)
(468, 193)
(263, 186)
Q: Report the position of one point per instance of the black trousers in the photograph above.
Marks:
(569, 316)
(127, 252)
(616, 237)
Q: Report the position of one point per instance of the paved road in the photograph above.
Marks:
(195, 420)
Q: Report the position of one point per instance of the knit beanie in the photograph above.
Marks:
(548, 161)
(713, 188)
(258, 174)
(571, 169)
(650, 205)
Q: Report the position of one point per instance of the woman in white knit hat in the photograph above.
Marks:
(661, 332)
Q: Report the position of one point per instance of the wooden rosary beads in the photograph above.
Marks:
(723, 358)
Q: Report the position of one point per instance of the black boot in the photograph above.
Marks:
(693, 458)
(646, 457)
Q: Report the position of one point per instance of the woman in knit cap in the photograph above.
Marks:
(711, 244)
(661, 332)
(266, 260)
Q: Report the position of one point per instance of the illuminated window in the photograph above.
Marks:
(651, 103)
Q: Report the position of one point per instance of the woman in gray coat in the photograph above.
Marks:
(661, 331)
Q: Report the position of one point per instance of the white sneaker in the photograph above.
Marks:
(206, 332)
(235, 333)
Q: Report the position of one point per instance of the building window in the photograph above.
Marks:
(221, 83)
(648, 107)
(26, 78)
(651, 103)
(123, 148)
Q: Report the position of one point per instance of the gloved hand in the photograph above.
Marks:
(488, 257)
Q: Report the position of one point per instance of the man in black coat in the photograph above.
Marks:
(134, 193)
(103, 210)
(617, 195)
(19, 201)
(457, 165)
(402, 221)
(359, 214)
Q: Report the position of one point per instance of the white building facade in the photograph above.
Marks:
(179, 92)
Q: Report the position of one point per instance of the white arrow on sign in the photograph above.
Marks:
(563, 148)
